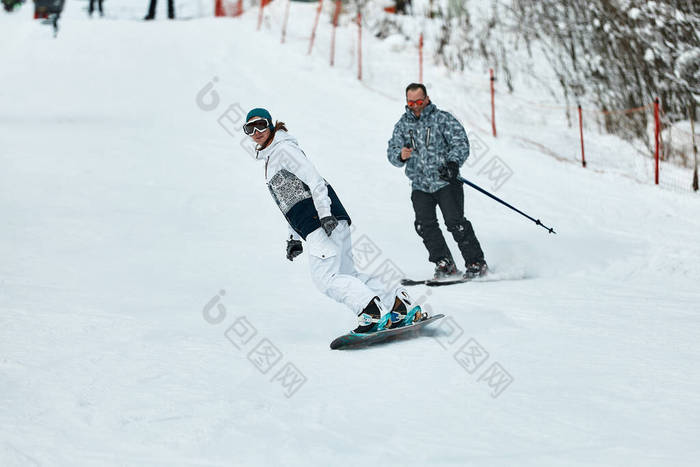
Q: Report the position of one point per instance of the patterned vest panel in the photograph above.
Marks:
(294, 199)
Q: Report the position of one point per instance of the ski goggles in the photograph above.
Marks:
(416, 103)
(255, 125)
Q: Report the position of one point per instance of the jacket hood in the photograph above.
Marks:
(280, 137)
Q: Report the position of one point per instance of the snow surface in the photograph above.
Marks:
(127, 209)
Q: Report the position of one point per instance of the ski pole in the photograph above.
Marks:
(478, 188)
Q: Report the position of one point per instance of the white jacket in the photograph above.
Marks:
(287, 170)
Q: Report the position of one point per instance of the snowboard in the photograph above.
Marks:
(356, 339)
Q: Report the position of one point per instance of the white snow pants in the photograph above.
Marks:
(333, 270)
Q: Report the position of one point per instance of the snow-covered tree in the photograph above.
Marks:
(621, 53)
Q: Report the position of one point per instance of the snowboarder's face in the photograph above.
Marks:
(416, 101)
(259, 136)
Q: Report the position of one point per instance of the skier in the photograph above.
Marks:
(151, 15)
(10, 5)
(91, 7)
(50, 10)
(432, 145)
(314, 213)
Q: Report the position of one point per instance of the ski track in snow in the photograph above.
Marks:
(127, 209)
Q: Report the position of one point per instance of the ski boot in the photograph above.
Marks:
(445, 269)
(475, 269)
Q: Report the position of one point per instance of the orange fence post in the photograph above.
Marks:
(691, 114)
(657, 128)
(493, 104)
(359, 45)
(580, 127)
(420, 58)
(260, 15)
(227, 8)
(219, 8)
(336, 14)
(286, 19)
(313, 31)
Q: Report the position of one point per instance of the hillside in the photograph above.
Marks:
(128, 207)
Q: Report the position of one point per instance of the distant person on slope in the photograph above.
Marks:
(91, 7)
(314, 213)
(432, 145)
(151, 15)
(10, 5)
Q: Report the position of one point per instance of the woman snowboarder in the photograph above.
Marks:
(314, 213)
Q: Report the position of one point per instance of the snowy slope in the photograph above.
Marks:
(127, 208)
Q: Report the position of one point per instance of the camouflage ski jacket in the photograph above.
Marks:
(436, 137)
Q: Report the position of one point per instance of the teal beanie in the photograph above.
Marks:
(262, 113)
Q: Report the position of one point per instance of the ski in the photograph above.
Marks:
(357, 339)
(410, 282)
(434, 282)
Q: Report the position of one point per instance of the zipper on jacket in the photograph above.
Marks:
(427, 138)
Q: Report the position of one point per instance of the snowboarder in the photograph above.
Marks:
(315, 214)
(432, 145)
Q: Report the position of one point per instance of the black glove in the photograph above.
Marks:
(329, 223)
(449, 171)
(294, 248)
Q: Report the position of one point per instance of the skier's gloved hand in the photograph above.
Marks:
(329, 223)
(294, 248)
(449, 171)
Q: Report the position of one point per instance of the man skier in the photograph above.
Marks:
(151, 15)
(314, 213)
(432, 145)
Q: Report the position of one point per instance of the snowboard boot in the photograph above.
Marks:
(475, 269)
(369, 319)
(445, 269)
(406, 310)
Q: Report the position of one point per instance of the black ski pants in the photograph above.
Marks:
(92, 6)
(451, 201)
(152, 9)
